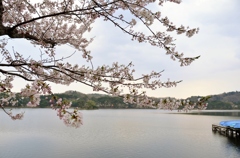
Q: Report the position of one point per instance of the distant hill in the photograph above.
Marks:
(224, 101)
(80, 100)
(227, 97)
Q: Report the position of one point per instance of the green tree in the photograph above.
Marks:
(90, 104)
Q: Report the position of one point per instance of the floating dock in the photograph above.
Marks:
(226, 130)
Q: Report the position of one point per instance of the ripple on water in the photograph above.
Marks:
(115, 133)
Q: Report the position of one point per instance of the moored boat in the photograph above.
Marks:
(231, 123)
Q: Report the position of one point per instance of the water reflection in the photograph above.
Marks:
(234, 141)
(231, 144)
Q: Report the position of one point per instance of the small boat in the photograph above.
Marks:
(232, 123)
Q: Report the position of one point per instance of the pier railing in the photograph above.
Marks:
(226, 130)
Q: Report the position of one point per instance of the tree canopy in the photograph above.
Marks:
(52, 23)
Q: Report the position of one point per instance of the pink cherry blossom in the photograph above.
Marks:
(50, 24)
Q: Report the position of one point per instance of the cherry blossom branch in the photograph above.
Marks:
(53, 23)
(18, 116)
(157, 39)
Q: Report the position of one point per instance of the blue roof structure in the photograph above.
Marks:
(232, 123)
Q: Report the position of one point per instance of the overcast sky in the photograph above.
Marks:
(218, 42)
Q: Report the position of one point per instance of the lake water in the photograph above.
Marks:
(117, 134)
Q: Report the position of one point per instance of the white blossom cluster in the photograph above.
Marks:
(72, 119)
(183, 105)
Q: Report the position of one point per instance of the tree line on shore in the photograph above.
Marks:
(225, 101)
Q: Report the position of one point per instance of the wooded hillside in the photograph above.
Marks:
(224, 101)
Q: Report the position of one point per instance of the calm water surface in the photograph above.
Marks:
(117, 134)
